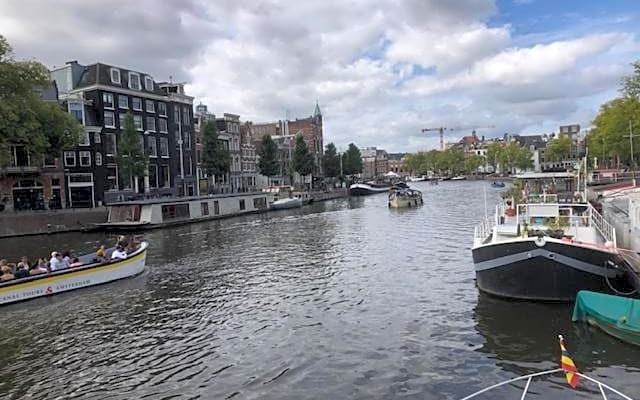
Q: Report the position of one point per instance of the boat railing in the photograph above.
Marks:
(483, 229)
(603, 388)
(607, 231)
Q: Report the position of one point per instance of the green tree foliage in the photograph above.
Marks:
(494, 151)
(472, 163)
(302, 158)
(216, 160)
(268, 153)
(25, 119)
(631, 83)
(331, 161)
(130, 158)
(559, 148)
(609, 137)
(352, 160)
(512, 156)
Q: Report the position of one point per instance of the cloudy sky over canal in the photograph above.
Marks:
(381, 70)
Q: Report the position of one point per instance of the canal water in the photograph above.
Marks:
(345, 299)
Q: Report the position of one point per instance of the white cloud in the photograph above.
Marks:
(262, 59)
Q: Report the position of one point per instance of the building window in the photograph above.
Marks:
(137, 122)
(112, 178)
(141, 140)
(107, 100)
(165, 176)
(134, 81)
(123, 102)
(148, 83)
(162, 125)
(150, 106)
(151, 124)
(85, 158)
(136, 103)
(115, 75)
(216, 207)
(110, 144)
(76, 109)
(162, 109)
(98, 159)
(96, 138)
(175, 211)
(69, 158)
(187, 140)
(164, 147)
(109, 121)
(153, 176)
(84, 139)
(176, 114)
(242, 205)
(204, 208)
(121, 117)
(152, 148)
(190, 172)
(185, 115)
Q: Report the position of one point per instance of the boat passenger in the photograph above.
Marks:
(66, 259)
(39, 268)
(118, 253)
(56, 263)
(75, 262)
(122, 241)
(6, 274)
(101, 254)
(22, 269)
(24, 263)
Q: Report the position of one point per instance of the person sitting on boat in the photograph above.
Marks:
(75, 262)
(39, 268)
(118, 253)
(134, 244)
(56, 263)
(122, 241)
(101, 254)
(6, 274)
(22, 269)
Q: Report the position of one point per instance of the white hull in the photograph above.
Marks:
(405, 202)
(286, 203)
(73, 278)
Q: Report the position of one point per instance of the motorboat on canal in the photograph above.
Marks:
(291, 202)
(497, 184)
(364, 189)
(405, 198)
(89, 273)
(546, 243)
(618, 316)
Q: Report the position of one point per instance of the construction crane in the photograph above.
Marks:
(459, 128)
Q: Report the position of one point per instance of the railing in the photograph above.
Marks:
(483, 229)
(529, 378)
(606, 229)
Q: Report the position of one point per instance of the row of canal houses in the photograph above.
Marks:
(99, 96)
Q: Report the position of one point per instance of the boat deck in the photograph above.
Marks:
(586, 234)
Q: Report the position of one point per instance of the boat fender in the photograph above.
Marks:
(540, 242)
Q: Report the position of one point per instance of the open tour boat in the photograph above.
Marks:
(90, 273)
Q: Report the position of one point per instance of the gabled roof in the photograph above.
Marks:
(537, 141)
(100, 74)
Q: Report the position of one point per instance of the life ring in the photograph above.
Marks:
(540, 242)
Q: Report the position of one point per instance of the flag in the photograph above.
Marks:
(567, 364)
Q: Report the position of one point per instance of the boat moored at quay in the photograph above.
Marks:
(91, 272)
(157, 213)
(547, 245)
(365, 189)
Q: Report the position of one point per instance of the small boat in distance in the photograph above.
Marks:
(89, 273)
(616, 315)
(405, 198)
(291, 202)
(420, 178)
(459, 178)
(497, 184)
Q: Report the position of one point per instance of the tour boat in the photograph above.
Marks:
(546, 246)
(292, 202)
(90, 273)
(405, 198)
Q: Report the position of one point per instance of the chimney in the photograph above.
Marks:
(71, 62)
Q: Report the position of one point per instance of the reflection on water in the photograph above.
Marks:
(342, 300)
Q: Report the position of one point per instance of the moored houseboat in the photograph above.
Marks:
(156, 213)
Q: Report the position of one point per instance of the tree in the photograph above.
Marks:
(631, 83)
(216, 160)
(130, 158)
(611, 125)
(472, 163)
(25, 118)
(302, 158)
(559, 148)
(268, 157)
(331, 161)
(352, 160)
(494, 151)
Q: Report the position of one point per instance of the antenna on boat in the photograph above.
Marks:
(484, 190)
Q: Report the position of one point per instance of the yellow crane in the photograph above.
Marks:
(459, 128)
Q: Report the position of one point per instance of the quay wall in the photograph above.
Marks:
(46, 222)
(334, 194)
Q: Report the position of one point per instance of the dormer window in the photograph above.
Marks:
(115, 75)
(134, 81)
(148, 83)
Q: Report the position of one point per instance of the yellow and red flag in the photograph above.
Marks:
(567, 364)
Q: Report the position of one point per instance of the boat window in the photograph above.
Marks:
(175, 211)
(242, 205)
(216, 208)
(124, 213)
(204, 208)
(260, 203)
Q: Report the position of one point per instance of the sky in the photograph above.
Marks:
(380, 70)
